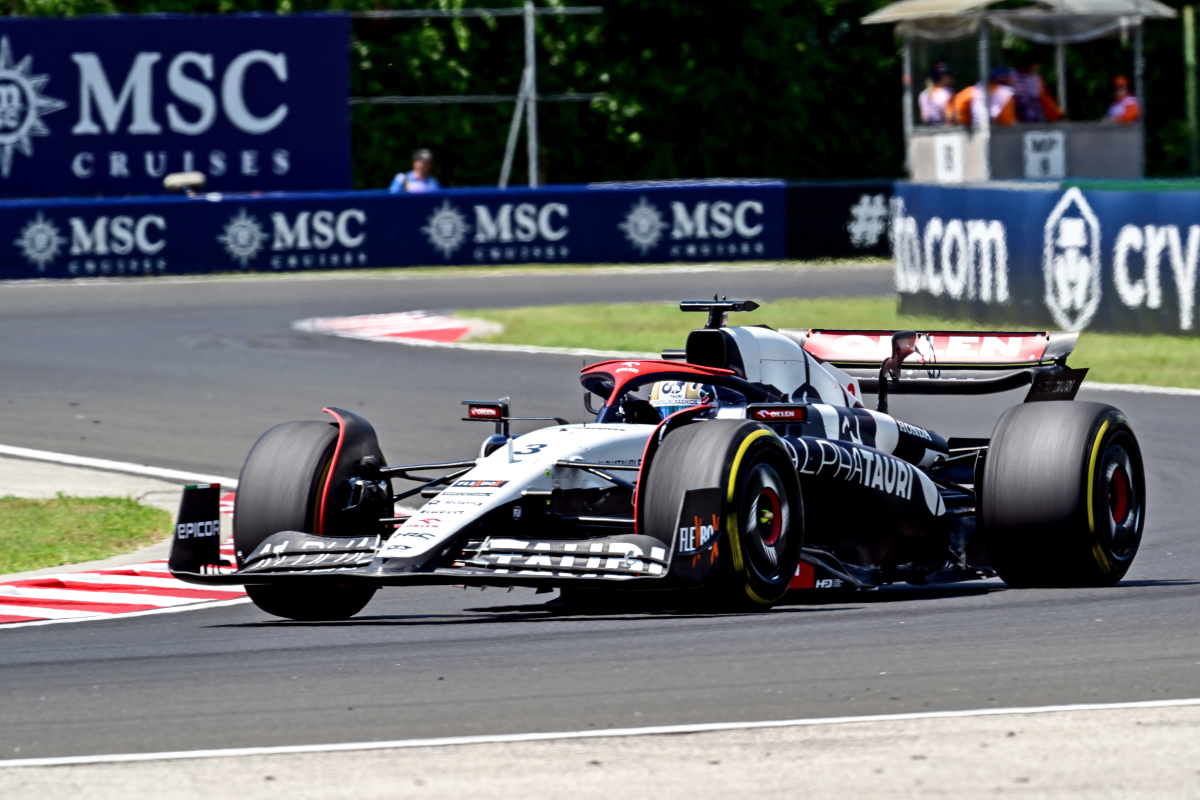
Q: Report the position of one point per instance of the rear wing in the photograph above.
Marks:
(953, 362)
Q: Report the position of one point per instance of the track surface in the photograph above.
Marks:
(188, 374)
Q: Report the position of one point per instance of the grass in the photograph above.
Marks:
(651, 327)
(68, 530)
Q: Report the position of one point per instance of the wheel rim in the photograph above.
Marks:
(766, 519)
(1120, 500)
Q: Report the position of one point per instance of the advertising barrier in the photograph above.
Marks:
(1047, 256)
(605, 223)
(838, 219)
(110, 105)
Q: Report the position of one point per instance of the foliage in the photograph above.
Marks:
(695, 88)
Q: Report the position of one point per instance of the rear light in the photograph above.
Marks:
(777, 413)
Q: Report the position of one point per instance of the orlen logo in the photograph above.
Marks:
(779, 414)
(483, 411)
(517, 232)
(694, 228)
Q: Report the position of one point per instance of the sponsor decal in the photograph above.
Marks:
(1149, 245)
(914, 430)
(874, 347)
(697, 535)
(118, 245)
(198, 530)
(629, 366)
(480, 484)
(1071, 261)
(720, 228)
(22, 106)
(446, 228)
(40, 241)
(783, 414)
(520, 232)
(868, 220)
(643, 226)
(307, 240)
(466, 494)
(828, 583)
(958, 258)
(860, 465)
(483, 412)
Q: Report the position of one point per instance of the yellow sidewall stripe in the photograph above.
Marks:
(731, 521)
(1092, 476)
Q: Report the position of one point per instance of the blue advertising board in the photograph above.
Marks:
(606, 223)
(1045, 255)
(109, 105)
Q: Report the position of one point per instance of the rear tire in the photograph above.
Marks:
(280, 489)
(762, 509)
(1063, 495)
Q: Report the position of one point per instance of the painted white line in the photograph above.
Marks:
(1138, 388)
(94, 597)
(606, 733)
(96, 617)
(35, 613)
(129, 580)
(176, 475)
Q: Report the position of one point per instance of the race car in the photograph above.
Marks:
(732, 471)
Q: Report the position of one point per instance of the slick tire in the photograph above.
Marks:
(323, 602)
(1063, 495)
(763, 512)
(280, 489)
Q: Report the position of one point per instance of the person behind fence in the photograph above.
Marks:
(1002, 109)
(1125, 108)
(419, 179)
(934, 102)
(1033, 102)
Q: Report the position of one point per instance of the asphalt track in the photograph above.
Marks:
(187, 374)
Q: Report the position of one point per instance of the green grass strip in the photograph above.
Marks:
(68, 530)
(651, 327)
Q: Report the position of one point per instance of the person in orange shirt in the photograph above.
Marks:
(1125, 108)
(1002, 107)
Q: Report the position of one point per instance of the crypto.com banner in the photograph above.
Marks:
(1045, 257)
(109, 105)
(680, 221)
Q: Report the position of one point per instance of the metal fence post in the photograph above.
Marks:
(985, 120)
(1189, 61)
(1060, 66)
(908, 106)
(531, 96)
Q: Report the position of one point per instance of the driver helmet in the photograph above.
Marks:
(667, 397)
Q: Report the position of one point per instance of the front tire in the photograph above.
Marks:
(280, 489)
(762, 508)
(1063, 495)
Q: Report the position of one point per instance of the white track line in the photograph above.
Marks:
(607, 733)
(176, 475)
(1138, 388)
(91, 617)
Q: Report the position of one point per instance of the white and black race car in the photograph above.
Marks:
(734, 470)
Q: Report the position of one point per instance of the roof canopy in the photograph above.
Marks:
(1046, 22)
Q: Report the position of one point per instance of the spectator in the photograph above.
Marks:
(419, 179)
(934, 102)
(1125, 108)
(1002, 109)
(1033, 102)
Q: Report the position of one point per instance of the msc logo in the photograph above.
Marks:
(120, 245)
(521, 228)
(702, 229)
(306, 240)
